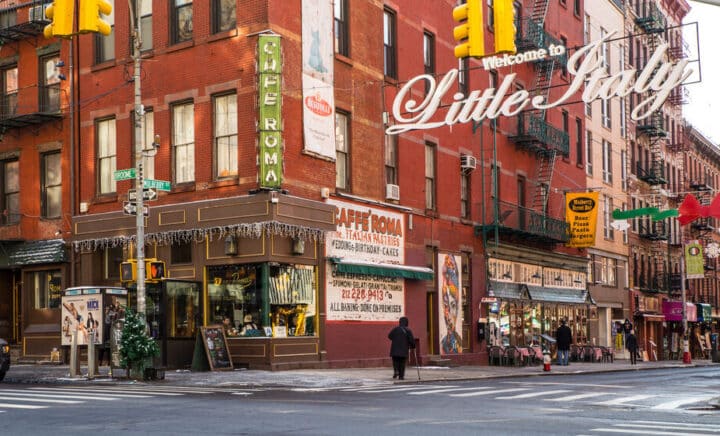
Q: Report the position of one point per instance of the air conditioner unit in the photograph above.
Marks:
(392, 192)
(467, 162)
(37, 13)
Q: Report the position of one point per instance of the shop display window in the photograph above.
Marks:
(285, 307)
(183, 309)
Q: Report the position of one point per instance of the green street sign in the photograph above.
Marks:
(124, 174)
(160, 185)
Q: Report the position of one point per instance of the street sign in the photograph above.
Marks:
(130, 208)
(160, 185)
(148, 194)
(126, 174)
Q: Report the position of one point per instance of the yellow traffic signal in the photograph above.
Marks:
(504, 26)
(470, 33)
(128, 271)
(90, 20)
(61, 13)
(154, 269)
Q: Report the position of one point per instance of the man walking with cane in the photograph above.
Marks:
(401, 339)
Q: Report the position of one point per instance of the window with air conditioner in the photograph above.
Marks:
(392, 192)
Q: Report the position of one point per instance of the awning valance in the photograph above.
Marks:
(560, 295)
(506, 291)
(353, 266)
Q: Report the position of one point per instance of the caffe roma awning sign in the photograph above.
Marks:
(653, 84)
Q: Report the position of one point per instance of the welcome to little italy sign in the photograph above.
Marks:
(653, 84)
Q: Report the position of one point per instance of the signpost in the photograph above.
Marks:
(130, 208)
(126, 174)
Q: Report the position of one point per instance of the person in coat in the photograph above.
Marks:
(632, 346)
(401, 340)
(564, 339)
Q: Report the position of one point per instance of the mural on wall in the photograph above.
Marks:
(318, 57)
(450, 305)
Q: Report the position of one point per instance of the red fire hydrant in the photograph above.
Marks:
(546, 361)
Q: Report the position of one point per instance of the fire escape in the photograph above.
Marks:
(535, 135)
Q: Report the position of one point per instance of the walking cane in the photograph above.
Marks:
(417, 364)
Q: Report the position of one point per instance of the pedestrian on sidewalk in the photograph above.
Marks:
(564, 339)
(402, 339)
(632, 347)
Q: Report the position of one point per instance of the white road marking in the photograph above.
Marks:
(580, 396)
(16, 393)
(533, 394)
(490, 392)
(41, 400)
(589, 385)
(682, 401)
(105, 391)
(20, 406)
(623, 400)
(441, 391)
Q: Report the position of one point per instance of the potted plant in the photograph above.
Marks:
(136, 347)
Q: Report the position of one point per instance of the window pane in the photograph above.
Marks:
(184, 24)
(51, 190)
(106, 155)
(148, 139)
(183, 139)
(223, 15)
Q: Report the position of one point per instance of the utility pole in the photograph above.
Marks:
(134, 6)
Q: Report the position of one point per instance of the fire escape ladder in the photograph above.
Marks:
(545, 169)
(539, 11)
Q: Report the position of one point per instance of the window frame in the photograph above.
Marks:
(342, 28)
(232, 170)
(146, 26)
(46, 185)
(390, 64)
(216, 16)
(110, 156)
(588, 152)
(9, 94)
(178, 136)
(465, 187)
(430, 176)
(50, 82)
(41, 295)
(105, 45)
(176, 12)
(429, 56)
(607, 161)
(10, 216)
(391, 159)
(342, 178)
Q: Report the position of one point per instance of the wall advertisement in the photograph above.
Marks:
(317, 77)
(367, 234)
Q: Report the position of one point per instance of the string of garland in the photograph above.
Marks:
(248, 230)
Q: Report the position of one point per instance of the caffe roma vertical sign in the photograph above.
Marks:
(653, 84)
(270, 111)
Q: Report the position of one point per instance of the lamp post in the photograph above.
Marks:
(139, 121)
(686, 343)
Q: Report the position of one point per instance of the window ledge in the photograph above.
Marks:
(229, 181)
(181, 46)
(223, 35)
(183, 187)
(104, 65)
(106, 198)
(344, 59)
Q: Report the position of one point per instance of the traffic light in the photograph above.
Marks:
(128, 271)
(90, 20)
(61, 13)
(470, 32)
(504, 26)
(154, 269)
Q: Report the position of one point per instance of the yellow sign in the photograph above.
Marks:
(581, 213)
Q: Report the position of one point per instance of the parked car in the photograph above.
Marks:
(4, 358)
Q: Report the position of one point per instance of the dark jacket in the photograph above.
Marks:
(564, 337)
(631, 343)
(401, 339)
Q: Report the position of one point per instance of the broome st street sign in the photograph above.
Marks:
(652, 84)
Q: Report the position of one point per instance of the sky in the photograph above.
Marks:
(703, 111)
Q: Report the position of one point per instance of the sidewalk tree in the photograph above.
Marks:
(136, 347)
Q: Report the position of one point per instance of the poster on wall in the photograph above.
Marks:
(317, 76)
(367, 234)
(581, 214)
(450, 304)
(82, 313)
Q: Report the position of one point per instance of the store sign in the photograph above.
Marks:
(694, 267)
(368, 234)
(581, 214)
(270, 110)
(652, 85)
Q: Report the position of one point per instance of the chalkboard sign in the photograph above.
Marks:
(216, 347)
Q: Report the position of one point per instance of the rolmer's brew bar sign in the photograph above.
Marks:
(270, 111)
(653, 84)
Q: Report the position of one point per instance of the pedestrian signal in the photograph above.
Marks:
(61, 13)
(91, 12)
(470, 32)
(154, 270)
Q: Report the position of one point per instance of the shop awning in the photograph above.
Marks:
(560, 295)
(37, 252)
(505, 290)
(353, 266)
(673, 311)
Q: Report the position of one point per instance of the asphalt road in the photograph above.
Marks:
(658, 402)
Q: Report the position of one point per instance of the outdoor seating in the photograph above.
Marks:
(537, 357)
(576, 353)
(496, 356)
(513, 357)
(608, 355)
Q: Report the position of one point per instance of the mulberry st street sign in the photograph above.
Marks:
(652, 84)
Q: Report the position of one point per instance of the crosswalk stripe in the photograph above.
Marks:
(40, 400)
(623, 400)
(85, 394)
(392, 388)
(442, 391)
(533, 394)
(50, 395)
(111, 391)
(170, 389)
(681, 402)
(641, 431)
(395, 389)
(20, 406)
(689, 425)
(678, 426)
(579, 396)
(490, 392)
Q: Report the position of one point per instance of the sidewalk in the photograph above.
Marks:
(327, 378)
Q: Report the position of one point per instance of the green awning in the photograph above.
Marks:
(704, 312)
(560, 295)
(38, 252)
(353, 266)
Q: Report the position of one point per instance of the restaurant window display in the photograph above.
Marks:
(284, 307)
(521, 323)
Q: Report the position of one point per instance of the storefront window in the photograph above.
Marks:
(183, 309)
(287, 308)
(47, 289)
